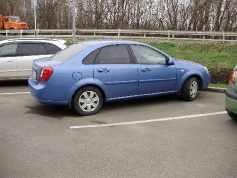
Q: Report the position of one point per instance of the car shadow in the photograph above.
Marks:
(12, 83)
(140, 102)
(54, 111)
(61, 111)
(233, 121)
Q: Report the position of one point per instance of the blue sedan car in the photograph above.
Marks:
(87, 74)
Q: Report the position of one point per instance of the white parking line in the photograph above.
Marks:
(15, 93)
(147, 121)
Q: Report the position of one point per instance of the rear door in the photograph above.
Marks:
(8, 69)
(27, 52)
(116, 70)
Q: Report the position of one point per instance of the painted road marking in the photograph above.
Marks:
(147, 121)
(15, 93)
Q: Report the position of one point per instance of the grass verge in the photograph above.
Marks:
(218, 85)
(211, 55)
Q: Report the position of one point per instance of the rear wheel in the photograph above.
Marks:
(190, 89)
(87, 101)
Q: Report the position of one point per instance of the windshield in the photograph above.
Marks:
(69, 52)
(14, 19)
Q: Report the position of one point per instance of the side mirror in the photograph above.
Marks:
(168, 61)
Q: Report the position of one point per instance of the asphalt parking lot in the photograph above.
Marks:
(153, 137)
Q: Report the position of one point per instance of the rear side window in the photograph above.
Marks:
(117, 54)
(29, 49)
(51, 48)
(91, 57)
(8, 50)
(69, 52)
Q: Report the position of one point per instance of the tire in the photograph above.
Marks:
(232, 115)
(190, 89)
(87, 101)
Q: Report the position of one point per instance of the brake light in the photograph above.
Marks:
(46, 74)
(232, 77)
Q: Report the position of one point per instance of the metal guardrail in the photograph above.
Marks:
(124, 33)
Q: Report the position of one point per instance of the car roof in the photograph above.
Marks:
(32, 40)
(102, 43)
(109, 42)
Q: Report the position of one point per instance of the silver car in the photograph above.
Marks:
(16, 55)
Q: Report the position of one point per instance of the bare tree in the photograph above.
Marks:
(196, 15)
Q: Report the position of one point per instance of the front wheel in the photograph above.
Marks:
(232, 115)
(87, 101)
(190, 89)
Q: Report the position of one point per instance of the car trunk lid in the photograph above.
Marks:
(38, 66)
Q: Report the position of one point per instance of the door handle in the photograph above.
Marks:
(146, 70)
(10, 60)
(103, 70)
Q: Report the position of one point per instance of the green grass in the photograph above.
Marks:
(208, 54)
(218, 85)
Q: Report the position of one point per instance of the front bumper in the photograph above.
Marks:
(231, 100)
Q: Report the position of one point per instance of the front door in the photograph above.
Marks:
(155, 76)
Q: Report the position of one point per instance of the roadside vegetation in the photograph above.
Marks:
(220, 85)
(184, 15)
(211, 55)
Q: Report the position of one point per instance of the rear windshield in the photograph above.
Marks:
(69, 52)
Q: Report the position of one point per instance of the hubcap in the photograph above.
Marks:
(88, 101)
(193, 89)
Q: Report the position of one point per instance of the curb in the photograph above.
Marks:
(215, 89)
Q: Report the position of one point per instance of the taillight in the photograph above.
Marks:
(232, 77)
(46, 74)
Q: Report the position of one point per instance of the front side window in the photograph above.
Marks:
(117, 54)
(145, 55)
(30, 49)
(8, 50)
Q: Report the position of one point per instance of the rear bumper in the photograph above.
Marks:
(231, 100)
(44, 94)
